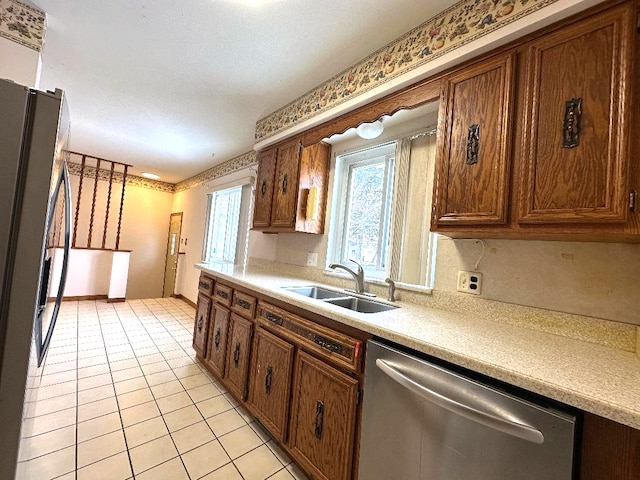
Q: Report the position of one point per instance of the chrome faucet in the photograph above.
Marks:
(357, 276)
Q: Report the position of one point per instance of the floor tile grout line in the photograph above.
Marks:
(126, 444)
(158, 407)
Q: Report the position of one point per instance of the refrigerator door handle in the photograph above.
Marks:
(488, 419)
(63, 180)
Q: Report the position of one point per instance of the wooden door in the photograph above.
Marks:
(173, 249)
(285, 191)
(238, 350)
(218, 334)
(201, 325)
(576, 122)
(264, 188)
(473, 161)
(323, 418)
(270, 383)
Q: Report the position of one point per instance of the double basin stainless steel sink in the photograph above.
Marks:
(341, 299)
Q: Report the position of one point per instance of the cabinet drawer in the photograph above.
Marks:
(244, 304)
(223, 294)
(205, 285)
(335, 346)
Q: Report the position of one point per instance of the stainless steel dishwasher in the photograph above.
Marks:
(423, 422)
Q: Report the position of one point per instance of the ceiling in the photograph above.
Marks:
(164, 84)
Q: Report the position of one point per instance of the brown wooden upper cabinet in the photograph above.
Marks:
(473, 164)
(577, 109)
(291, 188)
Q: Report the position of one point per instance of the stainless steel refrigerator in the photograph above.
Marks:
(35, 223)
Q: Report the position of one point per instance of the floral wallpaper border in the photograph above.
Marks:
(22, 23)
(459, 25)
(132, 180)
(238, 163)
(230, 166)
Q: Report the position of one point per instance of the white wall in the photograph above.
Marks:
(193, 204)
(144, 231)
(19, 64)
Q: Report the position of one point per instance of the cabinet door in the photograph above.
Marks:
(238, 351)
(271, 381)
(323, 417)
(218, 334)
(285, 191)
(473, 161)
(201, 325)
(577, 103)
(264, 188)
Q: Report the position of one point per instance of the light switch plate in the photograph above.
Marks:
(469, 282)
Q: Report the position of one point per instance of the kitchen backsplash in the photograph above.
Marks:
(591, 279)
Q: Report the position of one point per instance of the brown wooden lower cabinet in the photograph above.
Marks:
(323, 418)
(270, 382)
(238, 351)
(610, 451)
(201, 325)
(218, 334)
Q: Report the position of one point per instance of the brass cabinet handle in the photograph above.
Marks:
(473, 144)
(263, 188)
(571, 123)
(267, 380)
(216, 339)
(285, 182)
(200, 323)
(319, 423)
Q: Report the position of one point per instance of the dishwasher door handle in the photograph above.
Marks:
(487, 419)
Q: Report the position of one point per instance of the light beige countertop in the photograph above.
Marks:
(595, 378)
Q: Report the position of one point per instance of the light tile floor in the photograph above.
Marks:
(121, 395)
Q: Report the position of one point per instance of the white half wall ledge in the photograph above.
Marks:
(536, 20)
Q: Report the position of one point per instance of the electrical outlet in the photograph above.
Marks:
(312, 259)
(469, 282)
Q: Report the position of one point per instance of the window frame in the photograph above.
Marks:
(340, 214)
(246, 186)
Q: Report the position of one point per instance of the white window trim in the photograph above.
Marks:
(244, 219)
(339, 217)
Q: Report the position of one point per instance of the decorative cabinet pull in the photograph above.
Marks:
(200, 323)
(473, 144)
(203, 285)
(273, 318)
(216, 339)
(222, 294)
(236, 355)
(263, 188)
(327, 344)
(319, 419)
(571, 123)
(243, 304)
(285, 182)
(267, 380)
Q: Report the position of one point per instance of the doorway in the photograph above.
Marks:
(173, 249)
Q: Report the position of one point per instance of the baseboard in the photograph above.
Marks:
(80, 298)
(179, 296)
(116, 300)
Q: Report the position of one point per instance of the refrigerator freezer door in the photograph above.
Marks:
(21, 288)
